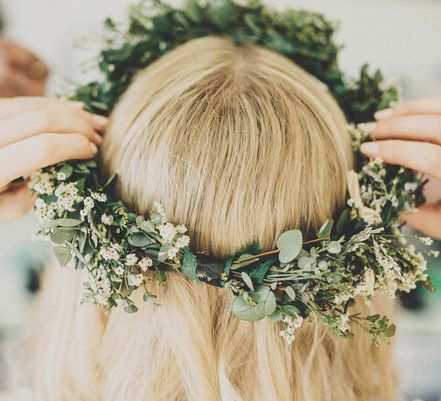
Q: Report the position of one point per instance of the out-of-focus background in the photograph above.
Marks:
(402, 37)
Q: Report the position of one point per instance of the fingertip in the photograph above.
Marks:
(93, 148)
(370, 149)
(383, 114)
(100, 121)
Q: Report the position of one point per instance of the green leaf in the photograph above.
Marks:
(193, 11)
(291, 310)
(67, 170)
(189, 264)
(390, 331)
(270, 304)
(63, 254)
(260, 271)
(139, 240)
(326, 229)
(67, 222)
(291, 293)
(132, 308)
(61, 235)
(290, 244)
(265, 305)
(343, 219)
(147, 297)
(277, 316)
(247, 280)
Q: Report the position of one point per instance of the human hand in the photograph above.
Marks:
(21, 72)
(409, 135)
(37, 132)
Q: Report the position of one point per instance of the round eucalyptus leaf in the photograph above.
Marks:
(243, 311)
(139, 240)
(290, 244)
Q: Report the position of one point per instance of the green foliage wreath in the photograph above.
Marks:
(363, 252)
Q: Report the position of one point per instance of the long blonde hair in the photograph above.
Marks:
(239, 144)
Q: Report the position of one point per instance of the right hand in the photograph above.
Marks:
(409, 135)
(37, 132)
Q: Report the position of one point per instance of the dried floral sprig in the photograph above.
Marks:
(362, 253)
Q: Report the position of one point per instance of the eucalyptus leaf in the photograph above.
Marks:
(63, 255)
(61, 235)
(290, 244)
(290, 292)
(67, 222)
(247, 280)
(139, 240)
(326, 229)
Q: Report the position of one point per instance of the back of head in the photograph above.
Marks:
(239, 144)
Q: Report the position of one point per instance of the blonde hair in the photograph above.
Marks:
(239, 144)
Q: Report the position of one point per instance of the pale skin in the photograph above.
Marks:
(36, 132)
(409, 135)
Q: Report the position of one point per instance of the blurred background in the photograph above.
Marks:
(402, 37)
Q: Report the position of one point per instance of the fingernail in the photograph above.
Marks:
(94, 148)
(382, 114)
(101, 120)
(369, 149)
(369, 127)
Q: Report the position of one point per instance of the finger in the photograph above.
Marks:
(427, 220)
(430, 105)
(26, 125)
(412, 127)
(21, 158)
(16, 202)
(19, 105)
(420, 156)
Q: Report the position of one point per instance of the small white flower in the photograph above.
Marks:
(110, 253)
(131, 260)
(88, 203)
(145, 263)
(107, 219)
(426, 240)
(172, 252)
(181, 229)
(167, 232)
(410, 186)
(100, 197)
(118, 270)
(61, 176)
(182, 242)
(135, 279)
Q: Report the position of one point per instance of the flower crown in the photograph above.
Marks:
(361, 253)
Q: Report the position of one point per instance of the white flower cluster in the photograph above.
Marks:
(100, 286)
(292, 324)
(111, 252)
(175, 235)
(42, 183)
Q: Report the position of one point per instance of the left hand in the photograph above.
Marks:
(22, 73)
(409, 135)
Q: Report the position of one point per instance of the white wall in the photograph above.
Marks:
(401, 36)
